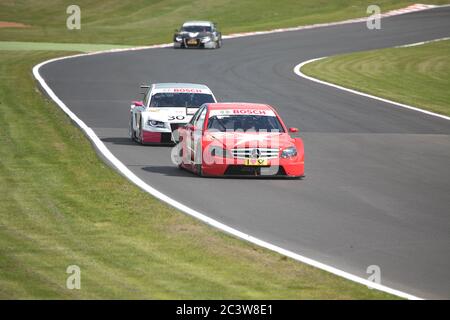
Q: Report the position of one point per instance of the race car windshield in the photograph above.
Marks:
(254, 123)
(188, 100)
(196, 29)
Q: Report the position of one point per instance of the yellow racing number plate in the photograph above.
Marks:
(256, 162)
(192, 41)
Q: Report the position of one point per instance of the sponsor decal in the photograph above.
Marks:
(191, 111)
(256, 162)
(187, 90)
(181, 90)
(173, 118)
(249, 111)
(237, 111)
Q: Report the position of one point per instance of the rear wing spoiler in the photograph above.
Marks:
(146, 87)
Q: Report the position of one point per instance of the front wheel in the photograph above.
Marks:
(133, 133)
(141, 132)
(199, 170)
(180, 156)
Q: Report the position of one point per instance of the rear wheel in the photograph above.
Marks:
(198, 159)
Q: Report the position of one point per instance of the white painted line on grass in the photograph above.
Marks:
(412, 8)
(297, 71)
(422, 43)
(200, 216)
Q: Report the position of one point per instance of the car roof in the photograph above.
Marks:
(239, 105)
(169, 85)
(198, 23)
(180, 88)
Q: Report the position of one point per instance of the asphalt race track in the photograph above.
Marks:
(377, 186)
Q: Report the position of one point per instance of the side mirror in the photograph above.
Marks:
(293, 130)
(137, 103)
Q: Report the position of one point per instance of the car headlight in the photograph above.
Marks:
(289, 152)
(217, 151)
(156, 124)
(178, 39)
(206, 39)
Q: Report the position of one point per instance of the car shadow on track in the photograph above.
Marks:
(120, 141)
(125, 141)
(171, 171)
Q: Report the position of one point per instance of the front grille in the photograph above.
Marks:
(263, 153)
(166, 137)
(238, 170)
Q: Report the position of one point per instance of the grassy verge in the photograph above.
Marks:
(142, 22)
(52, 46)
(60, 206)
(417, 75)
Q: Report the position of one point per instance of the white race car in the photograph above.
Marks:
(166, 107)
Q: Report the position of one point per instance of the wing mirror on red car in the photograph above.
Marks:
(293, 130)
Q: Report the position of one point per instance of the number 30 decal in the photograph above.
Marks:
(176, 117)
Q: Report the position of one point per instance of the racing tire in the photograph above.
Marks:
(199, 170)
(141, 134)
(180, 154)
(131, 131)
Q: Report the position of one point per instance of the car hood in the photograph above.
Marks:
(234, 140)
(170, 114)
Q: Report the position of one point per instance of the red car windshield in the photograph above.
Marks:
(253, 123)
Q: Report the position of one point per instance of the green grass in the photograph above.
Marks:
(51, 46)
(418, 75)
(61, 205)
(143, 22)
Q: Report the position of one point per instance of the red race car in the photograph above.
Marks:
(239, 139)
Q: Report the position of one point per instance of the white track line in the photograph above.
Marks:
(297, 71)
(200, 216)
(422, 43)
